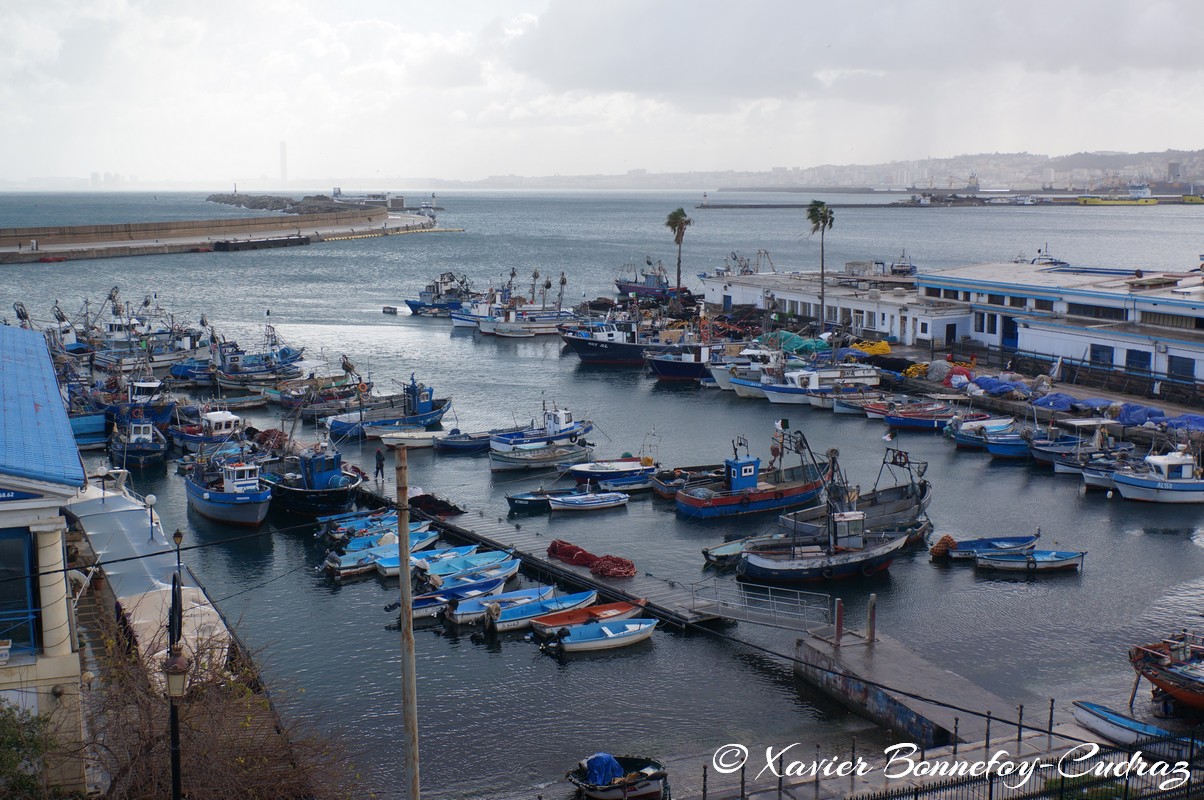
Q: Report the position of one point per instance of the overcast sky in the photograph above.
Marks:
(166, 90)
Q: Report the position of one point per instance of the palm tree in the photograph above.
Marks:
(678, 222)
(820, 215)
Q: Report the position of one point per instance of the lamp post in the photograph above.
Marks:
(150, 512)
(176, 666)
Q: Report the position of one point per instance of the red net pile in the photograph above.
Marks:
(603, 566)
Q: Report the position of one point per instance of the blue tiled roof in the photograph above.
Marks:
(35, 434)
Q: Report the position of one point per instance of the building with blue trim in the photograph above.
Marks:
(40, 473)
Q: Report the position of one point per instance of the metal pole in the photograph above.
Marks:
(839, 627)
(871, 621)
(742, 794)
(174, 631)
(987, 737)
(1019, 722)
(704, 782)
(956, 721)
(781, 759)
(409, 677)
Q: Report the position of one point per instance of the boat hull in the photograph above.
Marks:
(1152, 490)
(245, 509)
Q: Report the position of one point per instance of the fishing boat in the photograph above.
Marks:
(970, 434)
(1175, 666)
(854, 403)
(410, 438)
(1031, 561)
(137, 445)
(139, 400)
(214, 427)
(470, 612)
(605, 635)
(848, 553)
(606, 777)
(557, 427)
(667, 483)
(967, 549)
(679, 363)
(879, 409)
(358, 562)
(234, 493)
(374, 537)
(1128, 732)
(630, 484)
(548, 624)
(535, 501)
(388, 565)
(456, 441)
(615, 341)
(440, 297)
(419, 408)
(507, 568)
(518, 617)
(542, 458)
(452, 567)
(430, 604)
(313, 483)
(744, 489)
(1008, 446)
(649, 281)
(798, 387)
(587, 501)
(1169, 478)
(626, 467)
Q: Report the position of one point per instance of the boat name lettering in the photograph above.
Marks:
(904, 761)
(12, 494)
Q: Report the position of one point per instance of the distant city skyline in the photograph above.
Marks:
(176, 93)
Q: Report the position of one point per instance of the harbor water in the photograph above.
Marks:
(497, 717)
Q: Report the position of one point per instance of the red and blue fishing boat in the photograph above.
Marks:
(746, 489)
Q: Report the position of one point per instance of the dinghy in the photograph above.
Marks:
(606, 635)
(548, 624)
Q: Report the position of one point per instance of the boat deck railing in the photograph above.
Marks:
(773, 606)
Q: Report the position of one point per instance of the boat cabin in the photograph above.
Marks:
(557, 420)
(141, 432)
(848, 528)
(144, 391)
(322, 470)
(240, 478)
(1177, 466)
(220, 423)
(743, 473)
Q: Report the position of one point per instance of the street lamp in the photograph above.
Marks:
(176, 666)
(150, 512)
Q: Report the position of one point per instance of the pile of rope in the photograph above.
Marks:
(878, 348)
(916, 371)
(603, 566)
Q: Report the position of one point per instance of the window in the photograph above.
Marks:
(931, 291)
(1181, 367)
(858, 319)
(996, 299)
(830, 313)
(1017, 302)
(950, 294)
(1137, 361)
(979, 325)
(1103, 355)
(18, 609)
(924, 328)
(1095, 312)
(992, 323)
(1043, 305)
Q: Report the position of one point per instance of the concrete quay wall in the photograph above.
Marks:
(176, 229)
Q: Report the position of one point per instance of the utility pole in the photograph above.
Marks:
(409, 676)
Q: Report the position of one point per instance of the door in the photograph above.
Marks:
(1011, 333)
(951, 334)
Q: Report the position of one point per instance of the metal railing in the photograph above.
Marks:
(766, 605)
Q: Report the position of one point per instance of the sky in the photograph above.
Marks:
(167, 91)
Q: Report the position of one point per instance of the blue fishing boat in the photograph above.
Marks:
(557, 427)
(345, 565)
(233, 493)
(314, 483)
(606, 777)
(680, 363)
(472, 611)
(456, 441)
(967, 549)
(605, 635)
(453, 567)
(630, 484)
(519, 617)
(1032, 561)
(418, 408)
(626, 467)
(745, 489)
(137, 445)
(1131, 733)
(139, 401)
(535, 501)
(1008, 446)
(366, 538)
(89, 429)
(1169, 478)
(449, 292)
(388, 564)
(502, 569)
(431, 604)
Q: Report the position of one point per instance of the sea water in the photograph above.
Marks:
(498, 718)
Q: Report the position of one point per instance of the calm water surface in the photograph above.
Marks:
(497, 717)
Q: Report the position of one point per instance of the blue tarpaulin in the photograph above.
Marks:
(1093, 403)
(1187, 422)
(601, 769)
(1137, 414)
(1056, 401)
(997, 388)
